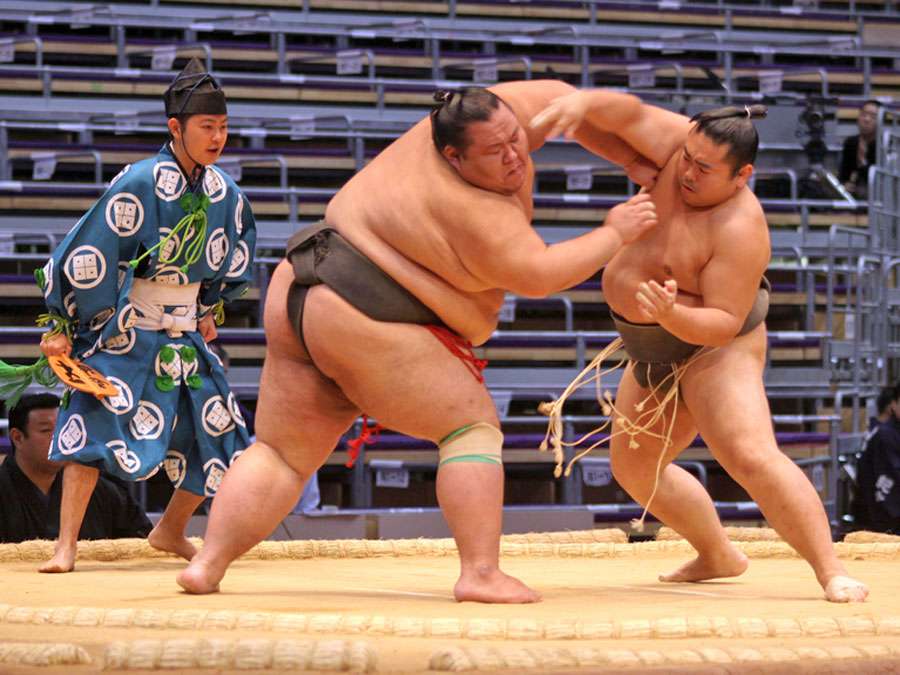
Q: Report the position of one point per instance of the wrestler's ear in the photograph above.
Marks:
(452, 155)
(744, 174)
(174, 127)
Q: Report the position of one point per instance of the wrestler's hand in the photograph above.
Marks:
(56, 345)
(655, 301)
(632, 218)
(643, 172)
(207, 328)
(563, 116)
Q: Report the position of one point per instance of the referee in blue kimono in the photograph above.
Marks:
(134, 291)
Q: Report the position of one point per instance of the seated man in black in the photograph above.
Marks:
(858, 152)
(877, 503)
(31, 485)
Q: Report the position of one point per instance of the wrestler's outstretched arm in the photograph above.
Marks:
(654, 133)
(528, 98)
(504, 251)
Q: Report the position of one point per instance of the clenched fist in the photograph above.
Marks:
(56, 345)
(656, 301)
(634, 217)
(563, 116)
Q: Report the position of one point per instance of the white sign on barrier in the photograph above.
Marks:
(233, 168)
(508, 310)
(163, 58)
(392, 478)
(818, 477)
(79, 16)
(125, 122)
(44, 165)
(405, 27)
(485, 71)
(579, 178)
(641, 76)
(349, 62)
(302, 126)
(7, 51)
(770, 82)
(596, 475)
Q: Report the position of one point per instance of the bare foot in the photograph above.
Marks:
(730, 564)
(63, 561)
(492, 585)
(198, 579)
(844, 589)
(162, 540)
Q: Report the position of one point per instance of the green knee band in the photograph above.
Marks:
(479, 442)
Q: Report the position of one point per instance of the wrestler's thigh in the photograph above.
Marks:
(724, 391)
(398, 373)
(646, 455)
(300, 412)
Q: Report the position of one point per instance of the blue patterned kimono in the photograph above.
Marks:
(174, 409)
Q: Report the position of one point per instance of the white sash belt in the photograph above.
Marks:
(151, 298)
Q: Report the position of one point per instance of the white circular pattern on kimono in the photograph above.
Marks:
(85, 267)
(239, 260)
(216, 249)
(168, 181)
(101, 318)
(124, 214)
(124, 170)
(171, 275)
(235, 410)
(123, 402)
(127, 459)
(148, 421)
(151, 474)
(234, 457)
(166, 251)
(48, 278)
(214, 185)
(239, 215)
(121, 343)
(72, 437)
(127, 318)
(175, 465)
(216, 418)
(70, 305)
(215, 471)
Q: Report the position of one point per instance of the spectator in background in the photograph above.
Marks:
(858, 153)
(883, 406)
(877, 503)
(31, 485)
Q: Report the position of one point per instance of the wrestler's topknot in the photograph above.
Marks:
(733, 126)
(456, 110)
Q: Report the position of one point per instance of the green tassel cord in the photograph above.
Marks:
(193, 230)
(218, 312)
(188, 355)
(14, 380)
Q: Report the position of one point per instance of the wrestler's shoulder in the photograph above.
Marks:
(743, 211)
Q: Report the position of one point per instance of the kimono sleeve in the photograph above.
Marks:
(86, 281)
(236, 274)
